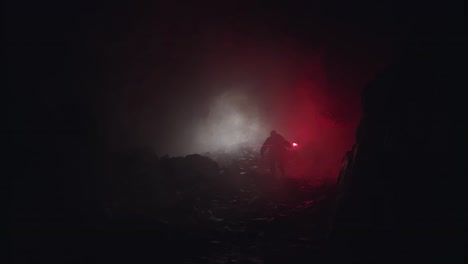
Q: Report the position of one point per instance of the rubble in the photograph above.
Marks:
(228, 212)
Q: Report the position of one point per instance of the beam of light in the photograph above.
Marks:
(234, 120)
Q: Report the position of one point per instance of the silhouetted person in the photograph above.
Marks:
(276, 145)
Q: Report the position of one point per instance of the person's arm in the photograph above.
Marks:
(265, 145)
(286, 143)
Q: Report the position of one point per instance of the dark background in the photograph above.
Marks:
(86, 78)
(124, 64)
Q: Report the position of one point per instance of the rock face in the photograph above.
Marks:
(401, 185)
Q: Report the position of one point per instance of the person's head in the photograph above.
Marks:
(273, 133)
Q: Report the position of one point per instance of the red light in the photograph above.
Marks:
(294, 144)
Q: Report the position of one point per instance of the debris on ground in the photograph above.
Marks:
(220, 209)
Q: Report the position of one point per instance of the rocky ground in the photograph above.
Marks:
(230, 212)
(211, 208)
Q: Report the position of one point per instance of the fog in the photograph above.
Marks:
(234, 120)
(228, 86)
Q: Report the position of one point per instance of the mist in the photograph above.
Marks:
(228, 85)
(134, 131)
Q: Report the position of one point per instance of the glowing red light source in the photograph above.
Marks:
(294, 144)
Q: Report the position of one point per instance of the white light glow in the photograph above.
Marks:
(233, 120)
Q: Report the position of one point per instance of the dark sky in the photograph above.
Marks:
(153, 73)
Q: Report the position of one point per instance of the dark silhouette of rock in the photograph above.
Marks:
(400, 195)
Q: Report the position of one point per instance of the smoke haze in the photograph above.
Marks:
(203, 86)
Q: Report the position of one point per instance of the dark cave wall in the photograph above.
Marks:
(401, 191)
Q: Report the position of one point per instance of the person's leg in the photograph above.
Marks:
(281, 167)
(272, 166)
(281, 164)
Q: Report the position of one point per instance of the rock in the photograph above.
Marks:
(399, 192)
